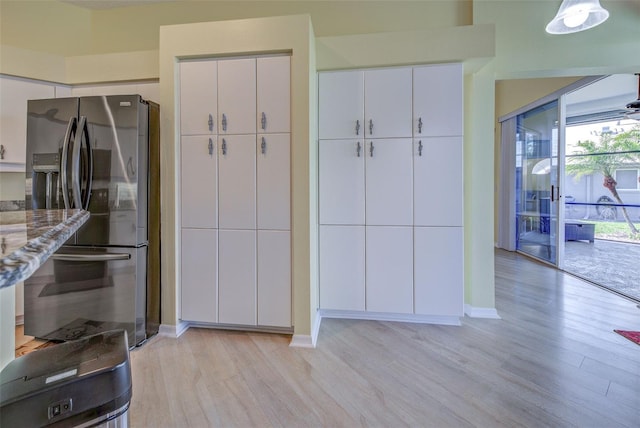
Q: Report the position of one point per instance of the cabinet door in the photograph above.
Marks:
(342, 268)
(438, 181)
(274, 278)
(274, 94)
(199, 181)
(237, 277)
(389, 182)
(273, 182)
(439, 267)
(437, 100)
(389, 273)
(237, 181)
(199, 274)
(341, 105)
(237, 96)
(387, 108)
(13, 118)
(341, 176)
(198, 97)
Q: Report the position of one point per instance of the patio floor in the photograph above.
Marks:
(612, 264)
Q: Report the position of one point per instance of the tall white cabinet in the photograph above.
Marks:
(235, 192)
(391, 192)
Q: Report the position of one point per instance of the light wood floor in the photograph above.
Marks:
(552, 361)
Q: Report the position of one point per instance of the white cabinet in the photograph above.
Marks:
(341, 181)
(273, 182)
(437, 100)
(199, 181)
(438, 181)
(342, 267)
(236, 191)
(274, 278)
(391, 193)
(438, 270)
(389, 272)
(198, 97)
(387, 103)
(237, 96)
(341, 105)
(237, 181)
(13, 118)
(199, 275)
(237, 277)
(389, 182)
(274, 94)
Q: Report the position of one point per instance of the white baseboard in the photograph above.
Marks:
(474, 312)
(19, 319)
(174, 331)
(383, 316)
(305, 340)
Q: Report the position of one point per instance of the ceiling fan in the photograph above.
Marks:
(633, 108)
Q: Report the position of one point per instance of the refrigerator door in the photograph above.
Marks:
(118, 133)
(52, 126)
(81, 291)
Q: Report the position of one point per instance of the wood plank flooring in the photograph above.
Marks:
(552, 361)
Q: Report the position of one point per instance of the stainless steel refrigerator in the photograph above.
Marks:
(101, 154)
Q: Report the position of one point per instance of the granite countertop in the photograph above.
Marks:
(28, 238)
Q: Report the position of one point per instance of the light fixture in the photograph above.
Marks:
(577, 15)
(543, 167)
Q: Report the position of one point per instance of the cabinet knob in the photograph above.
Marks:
(358, 148)
(224, 122)
(210, 122)
(371, 150)
(263, 146)
(224, 146)
(357, 127)
(370, 126)
(419, 125)
(420, 148)
(263, 121)
(210, 147)
(2, 151)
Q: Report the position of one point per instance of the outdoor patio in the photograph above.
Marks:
(609, 263)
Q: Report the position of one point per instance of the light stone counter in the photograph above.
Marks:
(28, 238)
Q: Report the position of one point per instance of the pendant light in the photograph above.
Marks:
(577, 15)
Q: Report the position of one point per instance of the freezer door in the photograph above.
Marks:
(118, 133)
(52, 125)
(83, 291)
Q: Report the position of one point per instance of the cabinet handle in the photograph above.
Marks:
(263, 121)
(224, 146)
(210, 122)
(357, 127)
(210, 147)
(358, 149)
(370, 126)
(263, 146)
(371, 150)
(419, 125)
(420, 148)
(224, 122)
(2, 151)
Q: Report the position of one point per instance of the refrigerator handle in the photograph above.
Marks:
(81, 199)
(105, 257)
(72, 128)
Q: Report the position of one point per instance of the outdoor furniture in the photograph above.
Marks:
(575, 230)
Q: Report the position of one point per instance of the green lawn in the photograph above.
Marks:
(617, 231)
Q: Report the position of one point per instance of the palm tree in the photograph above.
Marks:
(605, 156)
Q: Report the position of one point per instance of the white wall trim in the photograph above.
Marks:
(19, 319)
(474, 312)
(383, 316)
(305, 340)
(174, 331)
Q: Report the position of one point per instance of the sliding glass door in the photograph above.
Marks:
(537, 175)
